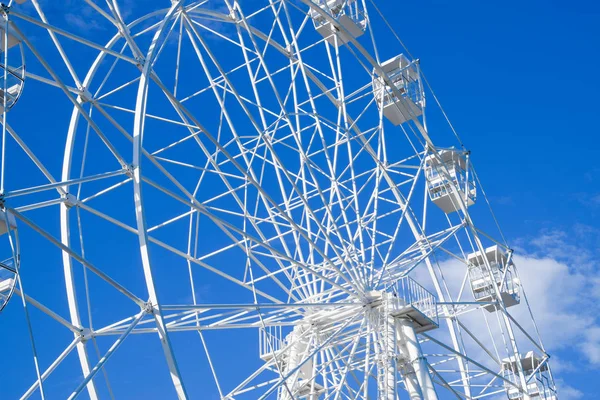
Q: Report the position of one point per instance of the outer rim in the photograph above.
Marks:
(140, 219)
(142, 230)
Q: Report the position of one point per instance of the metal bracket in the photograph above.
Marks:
(85, 334)
(128, 170)
(85, 95)
(69, 200)
(148, 308)
(141, 61)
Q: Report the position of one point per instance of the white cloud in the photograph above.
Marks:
(568, 392)
(591, 344)
(75, 14)
(560, 301)
(555, 244)
(82, 22)
(563, 289)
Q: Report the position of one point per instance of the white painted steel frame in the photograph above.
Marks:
(339, 362)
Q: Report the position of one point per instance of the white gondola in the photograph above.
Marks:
(8, 270)
(503, 277)
(347, 13)
(535, 369)
(12, 75)
(450, 169)
(404, 75)
(7, 283)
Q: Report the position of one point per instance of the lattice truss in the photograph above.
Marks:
(253, 183)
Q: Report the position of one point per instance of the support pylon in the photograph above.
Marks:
(407, 340)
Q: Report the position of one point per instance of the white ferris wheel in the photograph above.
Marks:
(227, 199)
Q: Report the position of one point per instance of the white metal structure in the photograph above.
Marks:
(13, 73)
(245, 209)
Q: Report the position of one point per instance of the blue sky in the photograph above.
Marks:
(519, 82)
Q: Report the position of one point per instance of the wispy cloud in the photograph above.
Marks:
(578, 247)
(568, 392)
(559, 271)
(560, 299)
(502, 200)
(592, 175)
(82, 22)
(587, 199)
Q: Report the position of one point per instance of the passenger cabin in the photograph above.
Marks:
(503, 277)
(8, 272)
(12, 76)
(349, 17)
(450, 169)
(7, 282)
(538, 379)
(408, 101)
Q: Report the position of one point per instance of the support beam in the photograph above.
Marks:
(408, 339)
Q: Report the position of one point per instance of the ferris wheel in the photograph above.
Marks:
(243, 200)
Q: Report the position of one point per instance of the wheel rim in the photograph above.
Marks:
(305, 198)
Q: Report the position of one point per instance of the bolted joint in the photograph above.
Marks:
(85, 334)
(128, 168)
(418, 359)
(69, 200)
(234, 15)
(141, 61)
(148, 308)
(289, 49)
(85, 96)
(404, 364)
(407, 370)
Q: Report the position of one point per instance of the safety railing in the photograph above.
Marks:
(409, 293)
(7, 281)
(270, 340)
(14, 85)
(539, 387)
(405, 84)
